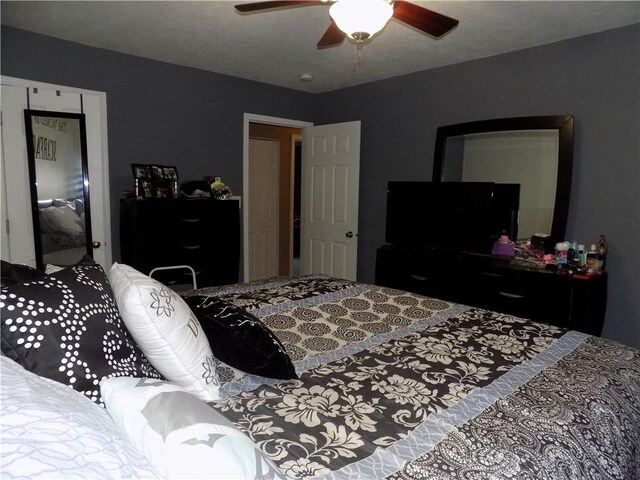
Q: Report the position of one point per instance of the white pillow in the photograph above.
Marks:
(49, 430)
(181, 435)
(166, 331)
(50, 268)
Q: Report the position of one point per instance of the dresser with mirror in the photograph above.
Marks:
(443, 261)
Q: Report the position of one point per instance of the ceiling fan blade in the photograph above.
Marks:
(332, 36)
(257, 6)
(435, 24)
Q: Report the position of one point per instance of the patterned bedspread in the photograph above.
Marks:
(395, 385)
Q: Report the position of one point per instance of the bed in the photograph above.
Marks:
(394, 385)
(389, 385)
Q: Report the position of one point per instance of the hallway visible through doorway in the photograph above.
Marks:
(287, 191)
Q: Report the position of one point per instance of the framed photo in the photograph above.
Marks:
(156, 173)
(170, 173)
(140, 171)
(155, 181)
(145, 188)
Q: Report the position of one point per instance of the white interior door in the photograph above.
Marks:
(16, 213)
(329, 203)
(19, 247)
(263, 208)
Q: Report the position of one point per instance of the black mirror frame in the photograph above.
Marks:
(37, 232)
(562, 123)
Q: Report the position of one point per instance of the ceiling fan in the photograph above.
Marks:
(361, 19)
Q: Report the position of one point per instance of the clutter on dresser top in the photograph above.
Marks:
(567, 257)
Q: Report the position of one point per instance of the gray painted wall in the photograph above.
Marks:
(596, 78)
(169, 114)
(157, 112)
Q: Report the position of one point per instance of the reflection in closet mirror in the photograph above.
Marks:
(57, 153)
(534, 152)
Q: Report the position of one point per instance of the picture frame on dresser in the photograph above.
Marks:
(155, 181)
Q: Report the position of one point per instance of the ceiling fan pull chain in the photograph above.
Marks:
(357, 57)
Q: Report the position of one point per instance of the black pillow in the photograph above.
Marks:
(239, 339)
(14, 273)
(66, 326)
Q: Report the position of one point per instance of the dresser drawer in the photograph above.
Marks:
(204, 234)
(525, 296)
(578, 303)
(433, 276)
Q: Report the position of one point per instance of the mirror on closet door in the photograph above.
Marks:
(58, 176)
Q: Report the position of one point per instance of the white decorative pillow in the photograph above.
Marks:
(166, 331)
(50, 269)
(181, 435)
(49, 430)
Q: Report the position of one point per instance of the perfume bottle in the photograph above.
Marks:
(602, 246)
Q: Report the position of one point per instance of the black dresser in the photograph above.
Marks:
(567, 301)
(204, 234)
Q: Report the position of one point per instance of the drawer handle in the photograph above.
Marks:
(488, 274)
(191, 220)
(419, 277)
(510, 295)
(191, 247)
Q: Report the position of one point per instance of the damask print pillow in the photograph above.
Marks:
(66, 327)
(166, 330)
(182, 436)
(239, 339)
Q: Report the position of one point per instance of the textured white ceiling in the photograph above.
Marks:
(276, 47)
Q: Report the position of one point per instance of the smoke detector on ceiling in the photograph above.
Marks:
(306, 77)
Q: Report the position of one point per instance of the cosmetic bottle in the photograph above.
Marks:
(594, 259)
(602, 247)
(562, 249)
(582, 256)
(571, 253)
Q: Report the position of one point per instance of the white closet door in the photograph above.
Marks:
(263, 208)
(17, 238)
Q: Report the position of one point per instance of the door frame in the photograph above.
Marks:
(256, 118)
(294, 140)
(104, 180)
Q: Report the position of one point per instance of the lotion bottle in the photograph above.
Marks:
(582, 256)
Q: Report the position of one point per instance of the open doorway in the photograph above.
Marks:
(288, 135)
(329, 209)
(272, 201)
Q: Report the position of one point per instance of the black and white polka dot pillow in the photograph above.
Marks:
(66, 326)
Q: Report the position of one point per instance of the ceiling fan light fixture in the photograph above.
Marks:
(361, 19)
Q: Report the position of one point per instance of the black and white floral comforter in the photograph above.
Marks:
(395, 385)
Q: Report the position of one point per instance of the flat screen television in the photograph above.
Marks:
(461, 216)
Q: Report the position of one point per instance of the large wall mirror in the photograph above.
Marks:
(57, 151)
(534, 152)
